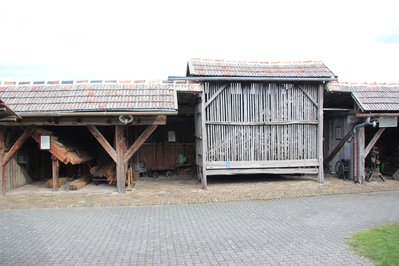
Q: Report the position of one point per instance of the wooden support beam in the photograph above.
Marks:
(138, 142)
(204, 181)
(215, 95)
(56, 172)
(373, 141)
(2, 168)
(310, 97)
(103, 142)
(361, 158)
(377, 115)
(320, 176)
(120, 143)
(18, 144)
(84, 121)
(339, 146)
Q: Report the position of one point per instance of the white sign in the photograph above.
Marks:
(44, 142)
(388, 121)
(171, 136)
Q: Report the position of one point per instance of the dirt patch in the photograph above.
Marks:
(187, 190)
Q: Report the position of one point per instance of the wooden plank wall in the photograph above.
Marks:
(261, 122)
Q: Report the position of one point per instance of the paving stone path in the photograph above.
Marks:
(302, 231)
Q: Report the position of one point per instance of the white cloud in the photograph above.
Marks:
(153, 39)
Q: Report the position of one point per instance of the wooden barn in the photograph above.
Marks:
(361, 118)
(259, 118)
(69, 128)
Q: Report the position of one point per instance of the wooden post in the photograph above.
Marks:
(360, 155)
(2, 168)
(320, 176)
(373, 141)
(103, 142)
(204, 141)
(56, 172)
(120, 143)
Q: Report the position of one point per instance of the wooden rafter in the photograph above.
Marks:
(339, 146)
(215, 95)
(103, 142)
(309, 96)
(139, 141)
(373, 141)
(18, 144)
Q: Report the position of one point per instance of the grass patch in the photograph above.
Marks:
(380, 244)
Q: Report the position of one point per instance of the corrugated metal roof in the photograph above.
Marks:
(370, 96)
(302, 69)
(54, 96)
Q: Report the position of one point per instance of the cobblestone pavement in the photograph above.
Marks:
(302, 231)
(185, 190)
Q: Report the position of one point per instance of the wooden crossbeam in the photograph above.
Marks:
(339, 146)
(215, 95)
(373, 141)
(139, 141)
(309, 96)
(103, 142)
(18, 144)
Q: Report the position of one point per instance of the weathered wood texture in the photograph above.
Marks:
(261, 122)
(62, 151)
(56, 172)
(163, 154)
(334, 152)
(85, 121)
(138, 142)
(361, 158)
(3, 177)
(18, 144)
(103, 142)
(105, 170)
(79, 183)
(320, 175)
(373, 141)
(120, 143)
(61, 181)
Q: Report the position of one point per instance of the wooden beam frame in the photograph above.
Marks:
(361, 158)
(373, 141)
(18, 144)
(215, 95)
(2, 168)
(377, 115)
(138, 142)
(56, 172)
(204, 136)
(120, 143)
(339, 146)
(84, 121)
(103, 142)
(320, 176)
(310, 97)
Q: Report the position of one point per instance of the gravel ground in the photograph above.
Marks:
(186, 190)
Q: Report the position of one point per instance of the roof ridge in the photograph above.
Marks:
(352, 83)
(256, 62)
(93, 82)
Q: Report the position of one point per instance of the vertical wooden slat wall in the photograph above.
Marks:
(261, 121)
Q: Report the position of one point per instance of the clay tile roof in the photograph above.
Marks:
(89, 96)
(302, 69)
(370, 96)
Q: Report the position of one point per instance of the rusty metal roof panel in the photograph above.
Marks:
(93, 97)
(301, 69)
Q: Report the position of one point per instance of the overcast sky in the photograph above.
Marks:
(68, 39)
